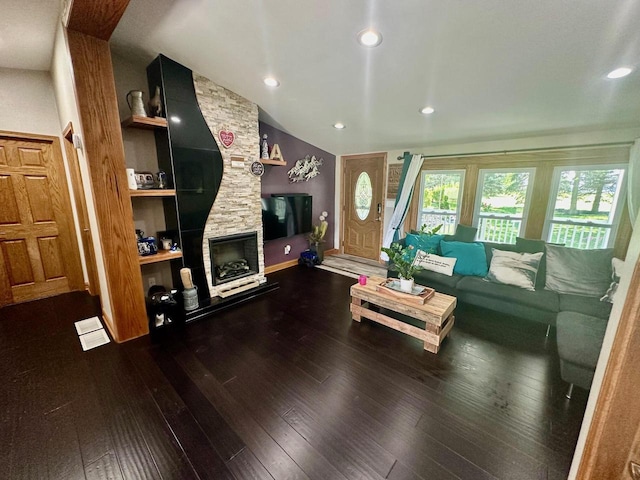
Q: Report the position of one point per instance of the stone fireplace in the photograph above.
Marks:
(236, 211)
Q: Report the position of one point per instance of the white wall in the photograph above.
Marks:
(67, 110)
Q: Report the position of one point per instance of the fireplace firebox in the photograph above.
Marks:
(233, 257)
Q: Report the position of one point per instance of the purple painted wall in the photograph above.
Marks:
(322, 188)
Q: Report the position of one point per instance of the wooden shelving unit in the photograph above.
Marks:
(153, 193)
(146, 123)
(161, 256)
(267, 161)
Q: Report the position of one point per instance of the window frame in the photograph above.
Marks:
(482, 172)
(618, 202)
(425, 172)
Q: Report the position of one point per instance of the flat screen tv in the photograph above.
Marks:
(286, 215)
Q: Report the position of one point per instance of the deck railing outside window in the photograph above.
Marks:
(492, 228)
(579, 235)
(432, 219)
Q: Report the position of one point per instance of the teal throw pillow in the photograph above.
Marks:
(426, 243)
(471, 257)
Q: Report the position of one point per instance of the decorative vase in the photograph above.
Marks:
(136, 105)
(318, 248)
(155, 104)
(406, 285)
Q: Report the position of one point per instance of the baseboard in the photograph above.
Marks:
(333, 251)
(109, 324)
(280, 266)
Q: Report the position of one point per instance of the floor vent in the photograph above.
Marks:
(91, 332)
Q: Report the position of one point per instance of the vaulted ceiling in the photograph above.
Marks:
(491, 69)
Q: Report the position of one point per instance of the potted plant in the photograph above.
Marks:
(316, 237)
(403, 264)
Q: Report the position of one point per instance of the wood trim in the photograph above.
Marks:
(280, 266)
(540, 198)
(616, 421)
(79, 195)
(104, 153)
(469, 194)
(623, 235)
(332, 251)
(96, 19)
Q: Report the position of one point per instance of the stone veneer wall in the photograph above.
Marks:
(236, 208)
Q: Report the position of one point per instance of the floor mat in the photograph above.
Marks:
(353, 267)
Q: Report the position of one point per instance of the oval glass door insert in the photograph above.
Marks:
(363, 195)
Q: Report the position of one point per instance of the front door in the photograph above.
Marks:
(38, 248)
(362, 200)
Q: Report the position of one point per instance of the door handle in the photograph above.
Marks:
(379, 212)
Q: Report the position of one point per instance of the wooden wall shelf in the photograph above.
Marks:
(267, 161)
(147, 123)
(161, 256)
(153, 193)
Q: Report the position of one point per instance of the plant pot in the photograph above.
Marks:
(406, 285)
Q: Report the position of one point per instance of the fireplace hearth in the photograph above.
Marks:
(233, 257)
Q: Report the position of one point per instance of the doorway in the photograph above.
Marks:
(363, 182)
(38, 247)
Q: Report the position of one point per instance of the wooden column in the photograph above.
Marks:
(104, 151)
(540, 198)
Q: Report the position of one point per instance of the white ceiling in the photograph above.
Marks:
(492, 69)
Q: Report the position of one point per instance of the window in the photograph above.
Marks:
(502, 202)
(587, 206)
(441, 199)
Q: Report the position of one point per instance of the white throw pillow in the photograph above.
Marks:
(513, 268)
(435, 263)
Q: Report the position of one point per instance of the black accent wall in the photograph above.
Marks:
(190, 156)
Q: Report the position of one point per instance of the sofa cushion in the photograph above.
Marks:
(577, 271)
(435, 263)
(471, 259)
(505, 247)
(464, 233)
(526, 245)
(616, 265)
(580, 338)
(585, 305)
(426, 243)
(540, 299)
(513, 268)
(429, 278)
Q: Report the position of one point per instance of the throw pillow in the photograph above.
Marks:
(426, 243)
(577, 271)
(616, 265)
(490, 246)
(526, 245)
(464, 233)
(513, 268)
(435, 263)
(471, 258)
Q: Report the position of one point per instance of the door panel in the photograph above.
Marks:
(38, 250)
(362, 195)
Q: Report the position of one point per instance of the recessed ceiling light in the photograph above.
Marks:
(339, 126)
(620, 72)
(369, 37)
(175, 119)
(271, 82)
(427, 110)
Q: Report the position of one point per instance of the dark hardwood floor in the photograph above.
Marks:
(285, 386)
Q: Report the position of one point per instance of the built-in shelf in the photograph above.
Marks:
(161, 256)
(148, 123)
(268, 161)
(153, 193)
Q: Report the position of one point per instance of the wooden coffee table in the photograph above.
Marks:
(437, 312)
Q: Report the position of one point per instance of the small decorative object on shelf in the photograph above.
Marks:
(155, 104)
(146, 245)
(136, 105)
(227, 137)
(257, 169)
(264, 148)
(275, 153)
(305, 169)
(145, 180)
(131, 179)
(162, 179)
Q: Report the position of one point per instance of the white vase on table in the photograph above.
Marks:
(406, 285)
